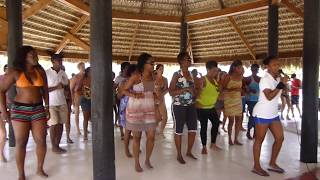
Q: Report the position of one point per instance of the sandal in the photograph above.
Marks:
(260, 173)
(276, 169)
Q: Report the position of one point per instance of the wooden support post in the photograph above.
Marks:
(183, 28)
(273, 29)
(309, 129)
(102, 92)
(14, 16)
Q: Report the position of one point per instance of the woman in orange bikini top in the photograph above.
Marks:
(27, 111)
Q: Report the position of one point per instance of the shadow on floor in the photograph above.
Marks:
(312, 175)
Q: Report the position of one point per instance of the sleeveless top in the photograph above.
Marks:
(232, 99)
(186, 98)
(253, 85)
(208, 95)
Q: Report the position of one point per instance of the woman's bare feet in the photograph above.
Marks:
(204, 150)
(224, 129)
(22, 177)
(189, 154)
(181, 160)
(231, 142)
(85, 138)
(42, 173)
(148, 164)
(59, 150)
(138, 167)
(260, 171)
(215, 147)
(238, 143)
(69, 141)
(275, 168)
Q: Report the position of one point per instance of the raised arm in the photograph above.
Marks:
(129, 84)
(173, 90)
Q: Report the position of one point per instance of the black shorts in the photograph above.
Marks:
(184, 115)
(295, 100)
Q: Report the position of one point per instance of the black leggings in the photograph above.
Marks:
(203, 116)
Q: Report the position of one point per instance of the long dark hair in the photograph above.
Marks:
(142, 60)
(20, 60)
(234, 65)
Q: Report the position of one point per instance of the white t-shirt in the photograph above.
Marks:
(267, 109)
(56, 97)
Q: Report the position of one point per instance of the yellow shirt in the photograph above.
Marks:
(208, 95)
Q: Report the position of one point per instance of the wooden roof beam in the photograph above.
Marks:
(229, 11)
(244, 39)
(293, 8)
(77, 5)
(80, 6)
(78, 41)
(76, 56)
(35, 8)
(136, 29)
(287, 54)
(82, 21)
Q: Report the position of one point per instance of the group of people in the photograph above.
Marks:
(44, 99)
(140, 91)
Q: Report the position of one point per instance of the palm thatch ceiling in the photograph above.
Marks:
(218, 29)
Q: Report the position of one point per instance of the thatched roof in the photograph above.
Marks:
(236, 29)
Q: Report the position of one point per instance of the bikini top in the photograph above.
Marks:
(23, 82)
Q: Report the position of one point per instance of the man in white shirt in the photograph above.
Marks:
(57, 79)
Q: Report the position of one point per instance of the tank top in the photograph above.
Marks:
(186, 98)
(208, 95)
(253, 85)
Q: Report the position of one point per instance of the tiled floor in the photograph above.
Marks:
(233, 163)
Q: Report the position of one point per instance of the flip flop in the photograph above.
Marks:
(276, 169)
(264, 173)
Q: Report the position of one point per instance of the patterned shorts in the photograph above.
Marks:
(27, 112)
